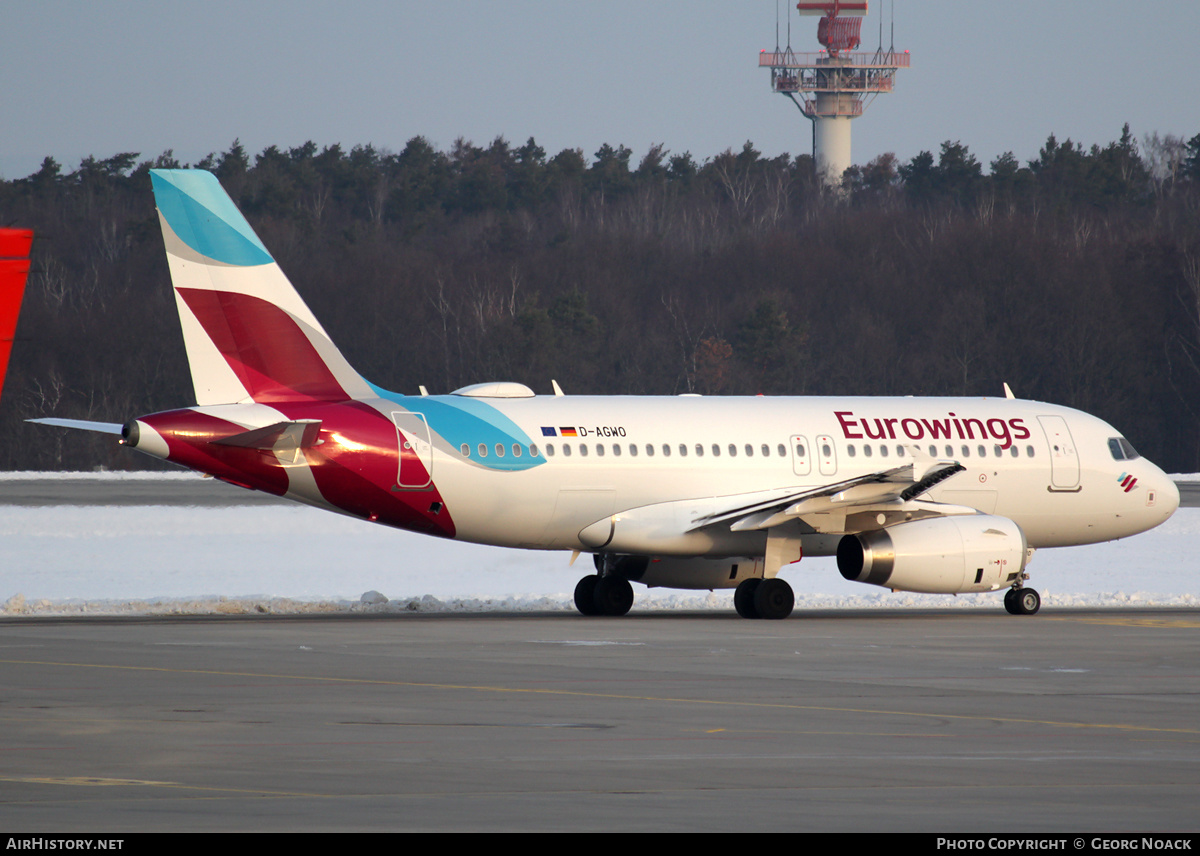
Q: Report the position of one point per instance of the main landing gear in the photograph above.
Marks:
(1022, 601)
(608, 595)
(759, 598)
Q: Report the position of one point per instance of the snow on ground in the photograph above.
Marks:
(283, 559)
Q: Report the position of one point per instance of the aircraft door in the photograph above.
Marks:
(1064, 463)
(416, 451)
(801, 455)
(826, 455)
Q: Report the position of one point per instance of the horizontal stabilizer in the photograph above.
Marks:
(282, 436)
(82, 425)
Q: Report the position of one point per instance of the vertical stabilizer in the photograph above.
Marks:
(14, 271)
(249, 336)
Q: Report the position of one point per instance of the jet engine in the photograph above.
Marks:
(938, 555)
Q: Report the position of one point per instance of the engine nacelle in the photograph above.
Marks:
(680, 573)
(939, 555)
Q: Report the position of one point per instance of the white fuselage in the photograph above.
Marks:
(1048, 468)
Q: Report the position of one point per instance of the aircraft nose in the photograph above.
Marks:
(1169, 495)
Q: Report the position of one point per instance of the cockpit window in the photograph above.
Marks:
(1121, 449)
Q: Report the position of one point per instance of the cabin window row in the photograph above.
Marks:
(633, 450)
(517, 450)
(731, 450)
(666, 450)
(965, 451)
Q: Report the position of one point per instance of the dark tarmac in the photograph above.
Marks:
(1066, 721)
(934, 721)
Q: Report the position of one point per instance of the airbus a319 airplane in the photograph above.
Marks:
(940, 495)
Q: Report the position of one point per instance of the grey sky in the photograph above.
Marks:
(101, 78)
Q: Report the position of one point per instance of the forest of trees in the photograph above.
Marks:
(1074, 277)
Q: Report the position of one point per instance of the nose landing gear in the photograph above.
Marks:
(1022, 601)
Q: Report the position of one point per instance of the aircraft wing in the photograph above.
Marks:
(826, 508)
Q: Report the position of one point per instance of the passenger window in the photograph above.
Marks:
(983, 451)
(549, 450)
(699, 450)
(683, 450)
(949, 451)
(1029, 451)
(900, 453)
(600, 450)
(666, 450)
(533, 452)
(883, 452)
(867, 450)
(766, 450)
(499, 450)
(799, 450)
(782, 449)
(732, 450)
(566, 450)
(583, 449)
(1013, 451)
(851, 451)
(716, 451)
(466, 450)
(483, 450)
(649, 450)
(749, 451)
(617, 449)
(516, 450)
(999, 451)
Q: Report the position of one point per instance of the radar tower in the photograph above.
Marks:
(832, 86)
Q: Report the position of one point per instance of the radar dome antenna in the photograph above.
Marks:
(832, 86)
(836, 33)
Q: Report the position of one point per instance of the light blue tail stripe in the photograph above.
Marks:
(203, 216)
